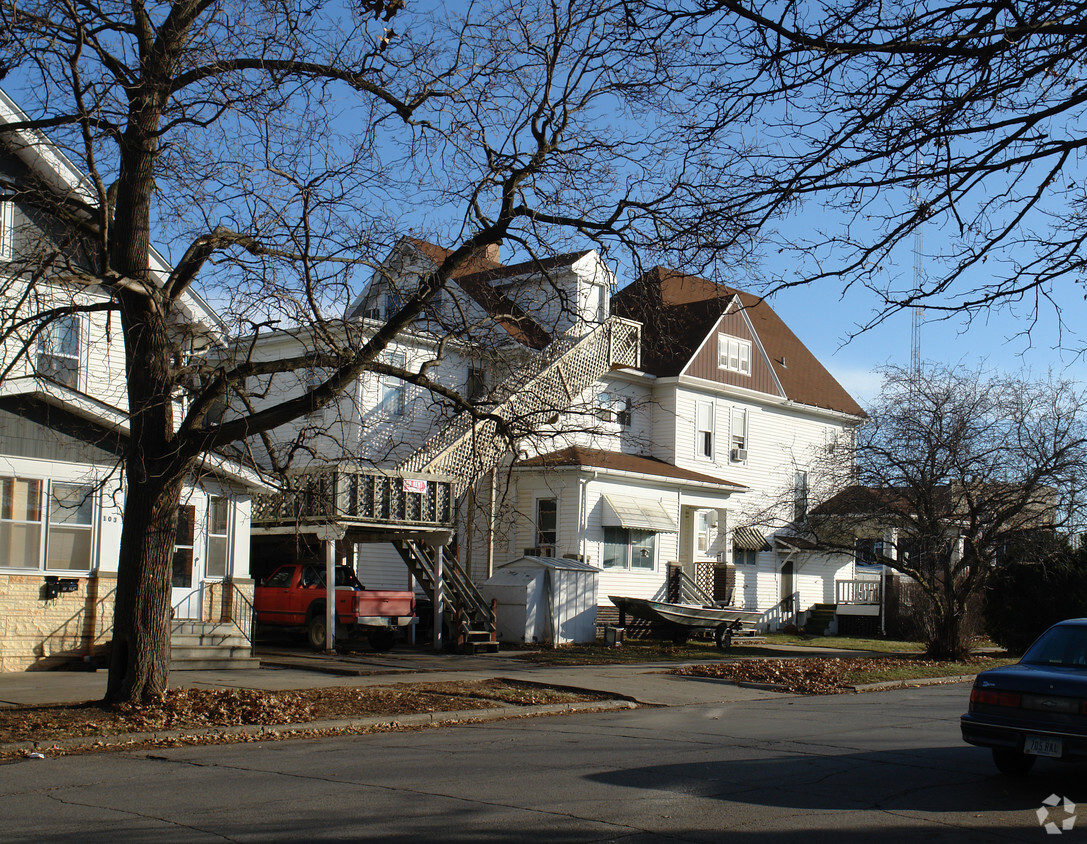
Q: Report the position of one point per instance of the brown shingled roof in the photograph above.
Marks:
(474, 278)
(617, 461)
(679, 310)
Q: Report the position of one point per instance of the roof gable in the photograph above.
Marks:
(680, 311)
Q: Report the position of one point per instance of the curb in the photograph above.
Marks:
(299, 730)
(908, 684)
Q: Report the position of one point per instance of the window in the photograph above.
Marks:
(181, 574)
(547, 526)
(625, 548)
(800, 496)
(738, 454)
(475, 387)
(734, 354)
(868, 551)
(702, 530)
(218, 555)
(7, 224)
(20, 523)
(704, 437)
(395, 392)
(745, 556)
(314, 379)
(613, 408)
(68, 541)
(63, 528)
(58, 351)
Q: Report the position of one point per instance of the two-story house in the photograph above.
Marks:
(63, 428)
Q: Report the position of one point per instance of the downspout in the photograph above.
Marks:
(490, 522)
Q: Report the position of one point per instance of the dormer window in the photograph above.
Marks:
(58, 351)
(734, 354)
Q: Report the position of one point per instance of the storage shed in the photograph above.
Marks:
(544, 599)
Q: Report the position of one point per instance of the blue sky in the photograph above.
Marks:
(824, 318)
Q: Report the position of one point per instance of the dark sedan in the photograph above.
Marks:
(1037, 707)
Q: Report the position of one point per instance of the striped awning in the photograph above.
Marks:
(749, 539)
(637, 513)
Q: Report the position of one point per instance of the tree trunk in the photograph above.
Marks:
(141, 617)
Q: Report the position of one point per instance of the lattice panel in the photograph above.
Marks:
(465, 449)
(703, 577)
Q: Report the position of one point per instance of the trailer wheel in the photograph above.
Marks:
(315, 632)
(381, 639)
(723, 637)
(680, 636)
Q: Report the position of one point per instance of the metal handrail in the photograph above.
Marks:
(244, 621)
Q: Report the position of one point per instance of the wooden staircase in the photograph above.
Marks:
(200, 645)
(471, 619)
(819, 618)
(470, 446)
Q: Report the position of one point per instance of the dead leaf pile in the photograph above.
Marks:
(806, 676)
(194, 709)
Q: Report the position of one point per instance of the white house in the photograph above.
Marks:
(673, 424)
(63, 426)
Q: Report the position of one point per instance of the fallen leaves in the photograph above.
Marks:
(811, 676)
(194, 709)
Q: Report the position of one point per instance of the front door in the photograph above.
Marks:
(788, 585)
(185, 596)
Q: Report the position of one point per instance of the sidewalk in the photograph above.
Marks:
(647, 683)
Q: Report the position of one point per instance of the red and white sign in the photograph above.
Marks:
(414, 485)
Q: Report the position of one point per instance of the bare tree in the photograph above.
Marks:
(284, 145)
(965, 120)
(953, 469)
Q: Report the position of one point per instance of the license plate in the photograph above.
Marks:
(1042, 746)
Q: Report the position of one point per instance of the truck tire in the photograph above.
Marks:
(315, 632)
(381, 639)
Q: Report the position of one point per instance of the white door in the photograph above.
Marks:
(185, 575)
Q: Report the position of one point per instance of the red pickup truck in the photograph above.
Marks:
(294, 596)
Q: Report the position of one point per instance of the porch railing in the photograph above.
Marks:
(358, 494)
(783, 613)
(856, 591)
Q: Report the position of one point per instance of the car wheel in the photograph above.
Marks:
(381, 640)
(1012, 763)
(315, 632)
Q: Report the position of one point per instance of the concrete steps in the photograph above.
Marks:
(196, 645)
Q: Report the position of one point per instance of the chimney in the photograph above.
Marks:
(492, 253)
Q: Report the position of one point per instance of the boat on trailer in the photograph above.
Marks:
(685, 619)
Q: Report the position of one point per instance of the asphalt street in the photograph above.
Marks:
(848, 768)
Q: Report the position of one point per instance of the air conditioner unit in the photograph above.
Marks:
(739, 455)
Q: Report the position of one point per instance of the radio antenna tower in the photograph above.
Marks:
(918, 279)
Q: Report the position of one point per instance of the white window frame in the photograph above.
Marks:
(734, 354)
(7, 226)
(225, 538)
(50, 529)
(738, 442)
(632, 542)
(394, 392)
(745, 557)
(702, 531)
(800, 495)
(540, 544)
(475, 382)
(56, 332)
(705, 447)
